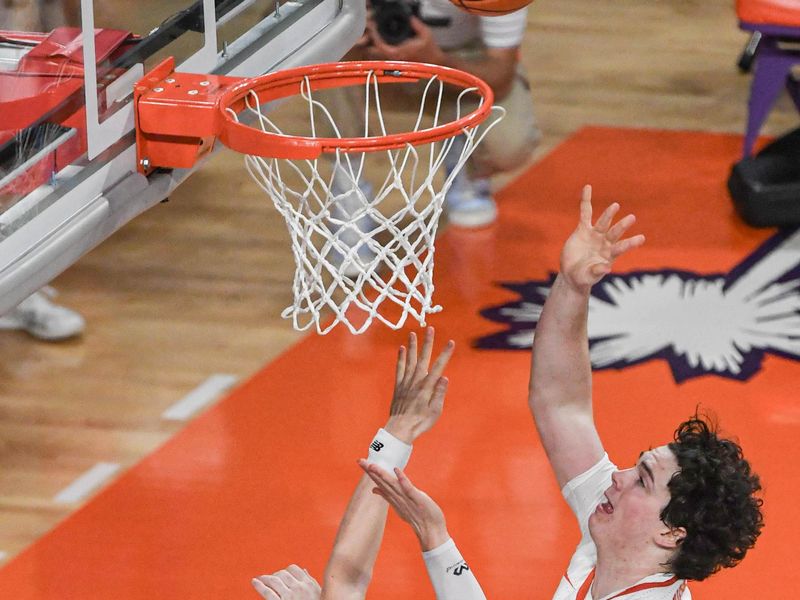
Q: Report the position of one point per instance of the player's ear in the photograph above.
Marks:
(670, 537)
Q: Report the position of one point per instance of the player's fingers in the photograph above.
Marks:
(298, 573)
(404, 482)
(411, 355)
(378, 475)
(289, 580)
(439, 392)
(385, 480)
(400, 503)
(369, 468)
(390, 498)
(425, 355)
(441, 361)
(274, 583)
(401, 365)
(263, 590)
(412, 495)
(376, 480)
(618, 230)
(627, 244)
(586, 205)
(389, 487)
(397, 501)
(604, 222)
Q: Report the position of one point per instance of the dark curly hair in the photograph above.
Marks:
(713, 499)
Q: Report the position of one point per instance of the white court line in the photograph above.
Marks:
(86, 483)
(3, 556)
(211, 389)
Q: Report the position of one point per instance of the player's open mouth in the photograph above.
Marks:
(606, 506)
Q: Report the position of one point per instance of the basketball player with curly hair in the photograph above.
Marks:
(684, 511)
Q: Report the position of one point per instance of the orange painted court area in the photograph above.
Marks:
(262, 479)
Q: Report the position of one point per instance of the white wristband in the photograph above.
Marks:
(388, 452)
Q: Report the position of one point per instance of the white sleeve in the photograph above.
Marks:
(583, 493)
(450, 575)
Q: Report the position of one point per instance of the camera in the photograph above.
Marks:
(393, 19)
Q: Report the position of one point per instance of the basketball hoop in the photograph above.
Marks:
(363, 252)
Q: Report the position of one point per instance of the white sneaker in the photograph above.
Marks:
(469, 202)
(43, 319)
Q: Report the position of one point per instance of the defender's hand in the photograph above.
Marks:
(414, 506)
(420, 48)
(591, 249)
(291, 583)
(418, 394)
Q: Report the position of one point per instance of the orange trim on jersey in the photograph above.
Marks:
(636, 588)
(679, 594)
(585, 587)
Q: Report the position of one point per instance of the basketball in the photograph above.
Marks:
(491, 8)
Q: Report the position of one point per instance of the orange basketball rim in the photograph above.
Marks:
(180, 115)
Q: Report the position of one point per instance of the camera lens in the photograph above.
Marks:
(395, 31)
(393, 22)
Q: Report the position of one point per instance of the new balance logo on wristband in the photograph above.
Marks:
(376, 445)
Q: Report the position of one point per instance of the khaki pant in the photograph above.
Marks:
(506, 147)
(511, 142)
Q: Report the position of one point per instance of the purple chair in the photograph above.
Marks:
(775, 47)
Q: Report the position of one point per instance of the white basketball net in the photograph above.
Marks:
(364, 254)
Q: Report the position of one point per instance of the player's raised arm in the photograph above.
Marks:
(451, 577)
(416, 405)
(560, 395)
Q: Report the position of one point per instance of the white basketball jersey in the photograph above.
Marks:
(583, 494)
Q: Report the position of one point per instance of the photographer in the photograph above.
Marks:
(438, 32)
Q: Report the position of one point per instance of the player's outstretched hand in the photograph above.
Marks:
(592, 248)
(419, 393)
(414, 506)
(291, 583)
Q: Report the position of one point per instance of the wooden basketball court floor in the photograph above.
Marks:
(194, 289)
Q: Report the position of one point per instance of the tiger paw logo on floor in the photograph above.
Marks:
(699, 323)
